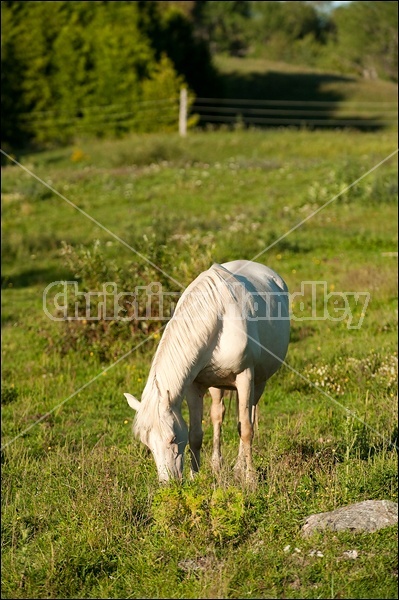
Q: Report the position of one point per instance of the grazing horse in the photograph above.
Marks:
(230, 331)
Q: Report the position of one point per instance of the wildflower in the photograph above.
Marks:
(77, 155)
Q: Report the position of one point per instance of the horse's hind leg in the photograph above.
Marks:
(217, 416)
(258, 391)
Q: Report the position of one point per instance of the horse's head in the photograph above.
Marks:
(166, 437)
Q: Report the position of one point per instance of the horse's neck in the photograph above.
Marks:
(187, 336)
(172, 367)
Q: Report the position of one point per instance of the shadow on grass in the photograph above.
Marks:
(36, 276)
(314, 456)
(275, 99)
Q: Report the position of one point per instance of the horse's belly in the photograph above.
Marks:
(211, 377)
(231, 356)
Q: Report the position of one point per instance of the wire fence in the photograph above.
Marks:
(308, 113)
(155, 114)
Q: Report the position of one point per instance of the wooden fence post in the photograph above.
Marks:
(183, 112)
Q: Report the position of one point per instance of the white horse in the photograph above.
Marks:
(230, 331)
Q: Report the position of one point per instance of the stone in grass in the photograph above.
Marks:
(351, 554)
(368, 516)
(202, 563)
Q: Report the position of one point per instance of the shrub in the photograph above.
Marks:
(226, 513)
(217, 514)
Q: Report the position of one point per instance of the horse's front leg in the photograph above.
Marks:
(253, 392)
(245, 393)
(217, 416)
(195, 400)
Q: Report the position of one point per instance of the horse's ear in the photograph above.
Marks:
(133, 402)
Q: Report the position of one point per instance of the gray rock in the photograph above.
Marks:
(202, 563)
(351, 554)
(369, 515)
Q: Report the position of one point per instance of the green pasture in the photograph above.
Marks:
(83, 515)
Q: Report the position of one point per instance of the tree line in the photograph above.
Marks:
(111, 67)
(355, 38)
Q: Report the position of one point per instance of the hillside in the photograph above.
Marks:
(264, 92)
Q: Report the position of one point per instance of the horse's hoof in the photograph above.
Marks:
(251, 479)
(216, 465)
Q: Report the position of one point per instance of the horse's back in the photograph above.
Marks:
(261, 277)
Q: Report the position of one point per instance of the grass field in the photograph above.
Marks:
(257, 90)
(282, 80)
(82, 513)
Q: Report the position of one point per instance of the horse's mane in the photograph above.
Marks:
(187, 333)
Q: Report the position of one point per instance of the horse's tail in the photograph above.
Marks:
(255, 418)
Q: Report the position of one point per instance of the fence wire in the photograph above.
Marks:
(296, 112)
(227, 111)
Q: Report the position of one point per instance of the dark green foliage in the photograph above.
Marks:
(358, 37)
(225, 25)
(174, 33)
(291, 20)
(94, 68)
